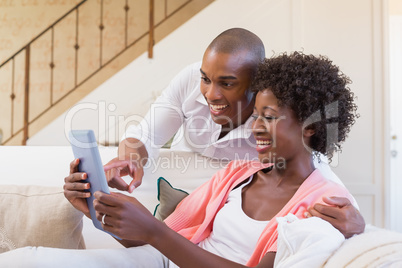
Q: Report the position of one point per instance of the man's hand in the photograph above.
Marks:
(341, 214)
(132, 156)
(116, 169)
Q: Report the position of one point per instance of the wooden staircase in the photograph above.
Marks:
(76, 54)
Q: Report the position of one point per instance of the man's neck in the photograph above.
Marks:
(223, 133)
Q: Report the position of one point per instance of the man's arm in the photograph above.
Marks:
(161, 122)
(341, 214)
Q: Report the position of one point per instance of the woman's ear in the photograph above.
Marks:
(308, 132)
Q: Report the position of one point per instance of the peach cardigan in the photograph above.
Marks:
(194, 216)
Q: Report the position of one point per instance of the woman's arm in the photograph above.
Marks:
(128, 219)
(186, 254)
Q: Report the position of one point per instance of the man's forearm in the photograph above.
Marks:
(134, 150)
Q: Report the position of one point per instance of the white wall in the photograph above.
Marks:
(349, 32)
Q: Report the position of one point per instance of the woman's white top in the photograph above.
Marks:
(234, 234)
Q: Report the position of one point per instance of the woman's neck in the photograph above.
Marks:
(293, 171)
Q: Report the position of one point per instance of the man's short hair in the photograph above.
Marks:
(237, 39)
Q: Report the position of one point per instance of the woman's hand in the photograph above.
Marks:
(125, 217)
(74, 188)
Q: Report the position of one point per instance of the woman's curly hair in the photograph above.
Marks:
(316, 91)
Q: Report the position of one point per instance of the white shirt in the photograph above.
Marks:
(234, 234)
(183, 109)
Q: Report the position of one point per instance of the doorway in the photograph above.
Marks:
(395, 60)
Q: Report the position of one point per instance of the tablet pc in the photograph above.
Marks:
(85, 148)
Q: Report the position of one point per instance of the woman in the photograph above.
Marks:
(230, 220)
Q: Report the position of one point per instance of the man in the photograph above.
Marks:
(208, 107)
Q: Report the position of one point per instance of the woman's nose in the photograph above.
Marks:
(259, 125)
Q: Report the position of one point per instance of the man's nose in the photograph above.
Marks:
(213, 93)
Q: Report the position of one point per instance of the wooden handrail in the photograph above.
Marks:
(151, 30)
(27, 49)
(26, 95)
(43, 32)
(28, 119)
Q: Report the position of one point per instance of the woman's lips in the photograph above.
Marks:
(263, 145)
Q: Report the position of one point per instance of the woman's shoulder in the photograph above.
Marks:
(325, 186)
(236, 169)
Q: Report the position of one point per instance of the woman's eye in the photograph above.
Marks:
(265, 118)
(269, 118)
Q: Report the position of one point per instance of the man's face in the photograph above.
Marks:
(225, 82)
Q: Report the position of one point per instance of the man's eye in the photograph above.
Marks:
(254, 116)
(206, 80)
(224, 84)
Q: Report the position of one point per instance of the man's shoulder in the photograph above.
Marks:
(195, 66)
(191, 70)
(184, 84)
(189, 76)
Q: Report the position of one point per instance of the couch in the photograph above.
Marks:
(34, 211)
(46, 167)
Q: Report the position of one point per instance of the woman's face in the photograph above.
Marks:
(278, 133)
(225, 83)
